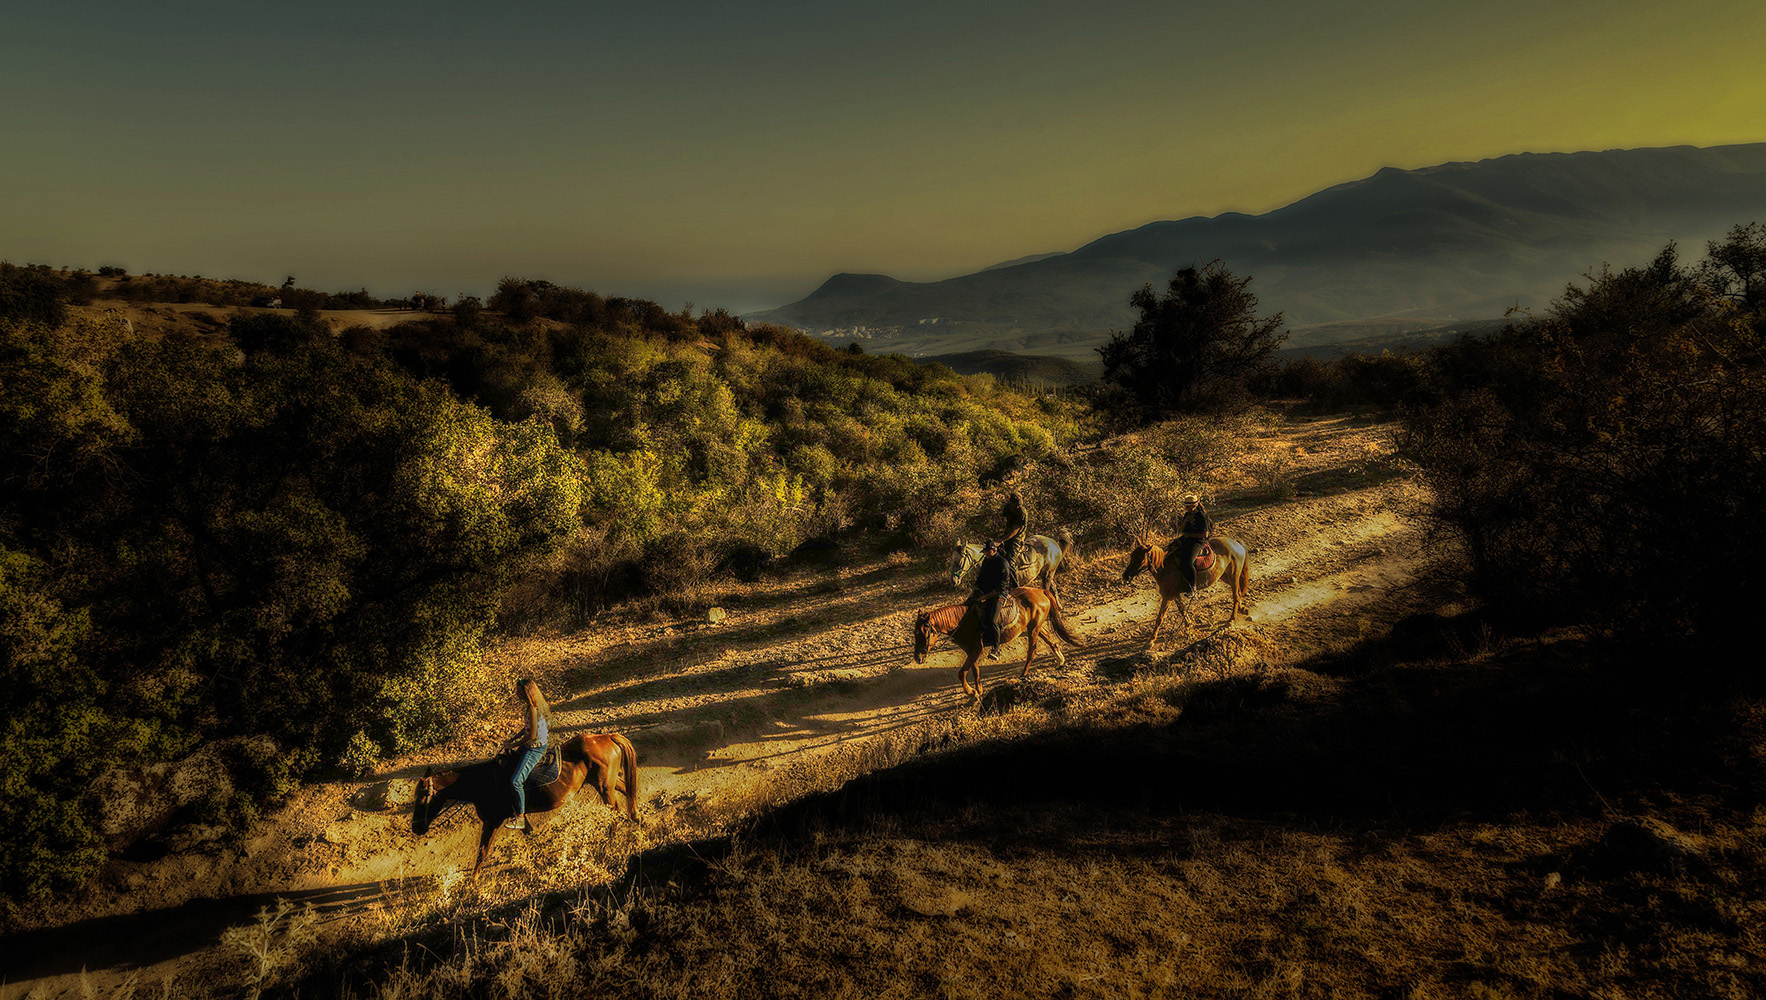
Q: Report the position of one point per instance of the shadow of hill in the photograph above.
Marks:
(1534, 731)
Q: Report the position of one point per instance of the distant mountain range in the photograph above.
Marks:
(1402, 250)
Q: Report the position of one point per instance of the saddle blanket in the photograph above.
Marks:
(1205, 556)
(1008, 614)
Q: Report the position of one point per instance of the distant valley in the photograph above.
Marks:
(1401, 256)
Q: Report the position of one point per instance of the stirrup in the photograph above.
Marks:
(995, 654)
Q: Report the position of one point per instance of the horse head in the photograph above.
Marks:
(1137, 559)
(960, 561)
(922, 636)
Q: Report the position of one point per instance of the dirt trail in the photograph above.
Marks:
(803, 668)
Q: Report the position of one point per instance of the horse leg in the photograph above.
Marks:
(484, 845)
(604, 781)
(1163, 601)
(1049, 637)
(972, 662)
(1031, 635)
(1241, 586)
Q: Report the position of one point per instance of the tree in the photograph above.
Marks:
(1736, 268)
(1197, 346)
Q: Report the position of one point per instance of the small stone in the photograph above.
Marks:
(716, 615)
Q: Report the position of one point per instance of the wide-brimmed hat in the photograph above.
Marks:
(1190, 499)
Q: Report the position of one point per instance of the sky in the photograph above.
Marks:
(736, 154)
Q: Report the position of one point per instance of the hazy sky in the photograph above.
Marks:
(737, 153)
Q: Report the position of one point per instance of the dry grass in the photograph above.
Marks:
(1254, 831)
(1456, 814)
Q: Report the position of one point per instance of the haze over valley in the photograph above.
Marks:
(1401, 256)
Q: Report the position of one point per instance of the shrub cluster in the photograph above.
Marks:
(703, 438)
(1606, 462)
(306, 536)
(286, 540)
(1357, 379)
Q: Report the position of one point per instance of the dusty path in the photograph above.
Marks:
(802, 668)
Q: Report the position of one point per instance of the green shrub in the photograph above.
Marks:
(306, 544)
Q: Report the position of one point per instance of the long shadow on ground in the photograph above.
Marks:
(139, 940)
(1540, 731)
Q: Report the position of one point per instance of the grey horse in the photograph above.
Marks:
(1038, 560)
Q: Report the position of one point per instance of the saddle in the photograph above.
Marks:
(1008, 612)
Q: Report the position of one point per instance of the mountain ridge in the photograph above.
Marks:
(1458, 241)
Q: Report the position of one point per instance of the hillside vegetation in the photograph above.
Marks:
(305, 537)
(1032, 369)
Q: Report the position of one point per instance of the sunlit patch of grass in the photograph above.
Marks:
(273, 945)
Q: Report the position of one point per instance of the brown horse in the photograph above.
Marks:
(1183, 577)
(1037, 609)
(605, 760)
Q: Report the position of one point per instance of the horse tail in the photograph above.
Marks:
(1061, 626)
(629, 754)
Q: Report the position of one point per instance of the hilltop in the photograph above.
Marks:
(1453, 243)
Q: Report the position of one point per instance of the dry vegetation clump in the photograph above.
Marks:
(273, 943)
(1130, 485)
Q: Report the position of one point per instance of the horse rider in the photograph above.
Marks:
(530, 740)
(1194, 529)
(996, 578)
(1016, 519)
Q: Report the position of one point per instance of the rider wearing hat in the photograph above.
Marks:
(1013, 510)
(1193, 529)
(993, 581)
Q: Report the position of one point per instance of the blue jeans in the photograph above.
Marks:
(524, 766)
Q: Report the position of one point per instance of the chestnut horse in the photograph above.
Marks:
(1037, 609)
(606, 761)
(1183, 578)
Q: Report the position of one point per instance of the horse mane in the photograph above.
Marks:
(946, 618)
(1155, 557)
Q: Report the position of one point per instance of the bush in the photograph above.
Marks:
(31, 295)
(306, 544)
(1605, 464)
(53, 735)
(1387, 379)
